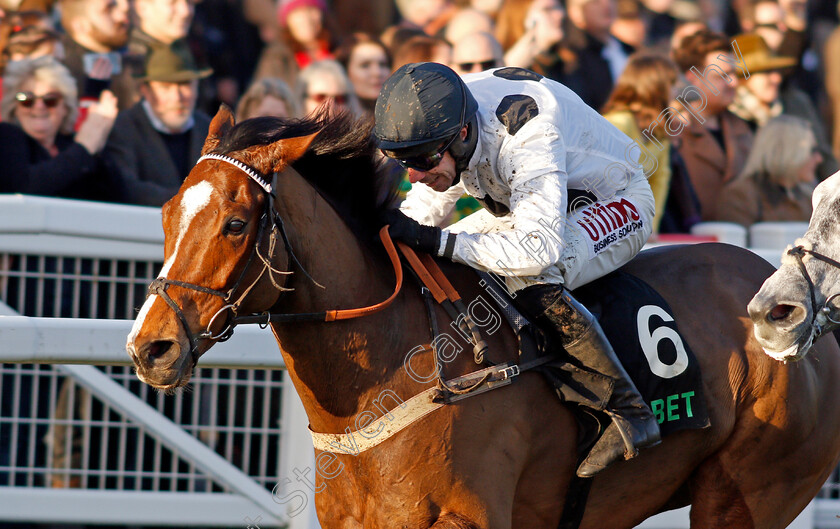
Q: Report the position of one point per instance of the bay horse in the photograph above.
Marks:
(498, 460)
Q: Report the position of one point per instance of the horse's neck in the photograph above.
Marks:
(338, 368)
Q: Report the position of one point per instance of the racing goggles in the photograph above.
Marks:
(422, 162)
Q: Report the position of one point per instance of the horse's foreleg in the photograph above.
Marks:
(717, 501)
(453, 521)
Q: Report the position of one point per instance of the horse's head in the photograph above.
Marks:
(221, 256)
(799, 302)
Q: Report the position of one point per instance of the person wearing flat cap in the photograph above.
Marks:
(764, 95)
(155, 143)
(523, 146)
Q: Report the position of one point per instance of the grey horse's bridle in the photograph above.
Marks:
(823, 312)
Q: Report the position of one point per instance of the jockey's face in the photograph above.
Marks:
(439, 178)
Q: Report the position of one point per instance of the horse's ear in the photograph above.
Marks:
(292, 149)
(274, 157)
(222, 122)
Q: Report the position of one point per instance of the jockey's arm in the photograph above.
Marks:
(526, 242)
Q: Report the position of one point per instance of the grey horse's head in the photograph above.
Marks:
(788, 313)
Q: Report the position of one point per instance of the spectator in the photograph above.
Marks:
(659, 19)
(268, 97)
(325, 84)
(368, 16)
(765, 18)
(683, 30)
(510, 22)
(599, 58)
(490, 7)
(9, 6)
(304, 30)
(28, 35)
(367, 63)
(784, 28)
(466, 21)
(429, 15)
(630, 26)
(476, 52)
(160, 22)
(422, 48)
(156, 142)
(779, 177)
(396, 36)
(305, 37)
(640, 94)
(223, 39)
(762, 96)
(540, 46)
(832, 84)
(95, 33)
(714, 146)
(40, 154)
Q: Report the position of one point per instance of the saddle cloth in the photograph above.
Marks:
(640, 325)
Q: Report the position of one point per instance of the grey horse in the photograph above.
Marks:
(801, 301)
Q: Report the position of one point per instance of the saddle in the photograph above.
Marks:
(636, 319)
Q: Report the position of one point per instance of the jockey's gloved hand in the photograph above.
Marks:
(404, 228)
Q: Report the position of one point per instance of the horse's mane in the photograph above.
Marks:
(341, 163)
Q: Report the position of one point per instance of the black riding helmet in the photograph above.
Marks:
(420, 109)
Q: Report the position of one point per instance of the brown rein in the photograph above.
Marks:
(337, 314)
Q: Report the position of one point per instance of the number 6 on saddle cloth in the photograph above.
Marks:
(640, 325)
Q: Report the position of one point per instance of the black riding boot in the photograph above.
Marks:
(633, 425)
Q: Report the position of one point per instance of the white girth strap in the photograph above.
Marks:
(386, 426)
(419, 406)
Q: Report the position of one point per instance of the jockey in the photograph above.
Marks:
(521, 144)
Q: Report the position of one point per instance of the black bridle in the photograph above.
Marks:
(799, 252)
(233, 301)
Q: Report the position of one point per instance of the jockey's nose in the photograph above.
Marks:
(415, 176)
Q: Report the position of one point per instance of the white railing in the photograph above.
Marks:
(94, 445)
(86, 445)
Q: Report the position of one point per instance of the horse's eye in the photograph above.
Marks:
(235, 226)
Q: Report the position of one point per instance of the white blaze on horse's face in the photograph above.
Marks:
(193, 201)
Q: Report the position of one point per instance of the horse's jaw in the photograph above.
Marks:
(796, 351)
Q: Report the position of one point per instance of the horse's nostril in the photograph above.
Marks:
(780, 312)
(158, 349)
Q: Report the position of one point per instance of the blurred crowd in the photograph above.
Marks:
(733, 106)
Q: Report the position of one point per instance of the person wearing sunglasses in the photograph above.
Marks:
(41, 155)
(521, 144)
(476, 52)
(324, 84)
